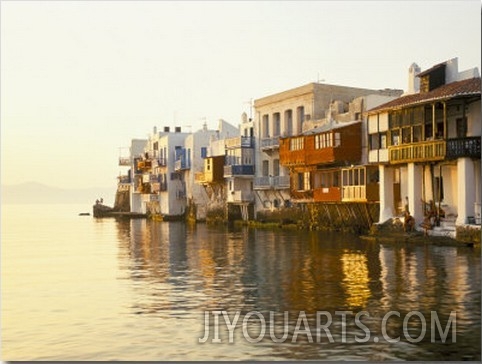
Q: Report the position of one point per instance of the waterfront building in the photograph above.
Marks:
(189, 160)
(426, 145)
(212, 179)
(158, 188)
(125, 182)
(239, 171)
(228, 174)
(305, 136)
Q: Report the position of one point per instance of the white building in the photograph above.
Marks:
(427, 146)
(239, 171)
(190, 160)
(290, 113)
(157, 187)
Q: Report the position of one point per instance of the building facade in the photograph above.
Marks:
(286, 168)
(426, 145)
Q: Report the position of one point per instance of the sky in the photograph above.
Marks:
(80, 79)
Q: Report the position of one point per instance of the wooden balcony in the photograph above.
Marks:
(339, 146)
(432, 150)
(144, 164)
(463, 148)
(366, 193)
(327, 194)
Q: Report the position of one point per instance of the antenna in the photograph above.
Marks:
(205, 123)
(250, 102)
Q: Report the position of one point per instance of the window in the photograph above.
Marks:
(306, 181)
(337, 140)
(204, 152)
(276, 124)
(300, 118)
(276, 167)
(383, 141)
(395, 137)
(297, 143)
(407, 135)
(325, 140)
(374, 141)
(288, 122)
(265, 126)
(265, 168)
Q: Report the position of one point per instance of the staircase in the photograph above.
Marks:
(446, 228)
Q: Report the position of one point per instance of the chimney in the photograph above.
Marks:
(166, 129)
(154, 130)
(413, 80)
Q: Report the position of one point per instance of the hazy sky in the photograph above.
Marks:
(80, 79)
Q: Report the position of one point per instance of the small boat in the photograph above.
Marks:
(84, 214)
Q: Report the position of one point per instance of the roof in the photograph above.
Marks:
(430, 70)
(468, 87)
(329, 126)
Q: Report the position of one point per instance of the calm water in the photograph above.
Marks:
(77, 288)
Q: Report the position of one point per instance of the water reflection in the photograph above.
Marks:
(177, 270)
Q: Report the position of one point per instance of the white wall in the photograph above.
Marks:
(474, 124)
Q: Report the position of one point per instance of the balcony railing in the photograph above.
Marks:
(239, 142)
(281, 181)
(240, 196)
(276, 182)
(181, 164)
(463, 148)
(417, 152)
(353, 193)
(238, 170)
(269, 143)
(327, 194)
(124, 161)
(124, 180)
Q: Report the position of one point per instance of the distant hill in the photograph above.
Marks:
(38, 193)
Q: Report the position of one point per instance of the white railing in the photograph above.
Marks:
(240, 196)
(239, 142)
(271, 182)
(270, 143)
(353, 193)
